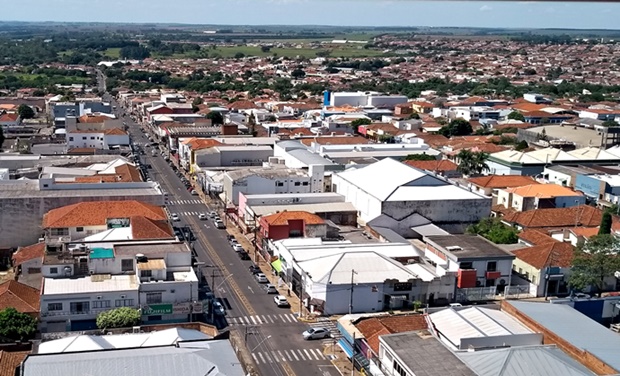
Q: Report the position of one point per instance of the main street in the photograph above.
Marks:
(272, 334)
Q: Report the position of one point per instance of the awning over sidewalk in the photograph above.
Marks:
(346, 347)
(277, 265)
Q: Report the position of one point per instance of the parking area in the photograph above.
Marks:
(580, 136)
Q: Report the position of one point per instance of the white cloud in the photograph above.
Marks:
(485, 8)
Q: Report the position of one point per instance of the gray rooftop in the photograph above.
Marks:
(471, 246)
(575, 328)
(525, 360)
(30, 189)
(569, 170)
(151, 250)
(425, 355)
(216, 358)
(309, 158)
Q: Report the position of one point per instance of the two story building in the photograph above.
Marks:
(539, 196)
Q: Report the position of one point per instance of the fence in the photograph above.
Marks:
(517, 292)
(474, 294)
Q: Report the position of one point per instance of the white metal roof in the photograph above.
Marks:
(59, 286)
(324, 207)
(426, 193)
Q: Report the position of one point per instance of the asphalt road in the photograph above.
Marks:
(273, 334)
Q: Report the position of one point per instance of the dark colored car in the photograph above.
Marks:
(243, 255)
(254, 269)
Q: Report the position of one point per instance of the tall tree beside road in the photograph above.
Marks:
(472, 163)
(16, 326)
(595, 260)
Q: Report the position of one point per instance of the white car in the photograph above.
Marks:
(316, 333)
(261, 278)
(281, 301)
(271, 289)
(175, 217)
(237, 247)
(193, 192)
(202, 216)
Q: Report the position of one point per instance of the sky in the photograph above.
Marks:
(505, 14)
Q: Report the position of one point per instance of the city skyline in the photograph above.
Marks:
(395, 13)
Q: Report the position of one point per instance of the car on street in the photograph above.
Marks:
(243, 255)
(175, 217)
(218, 309)
(193, 192)
(316, 333)
(237, 247)
(220, 225)
(261, 278)
(231, 239)
(254, 269)
(213, 214)
(281, 301)
(271, 289)
(202, 216)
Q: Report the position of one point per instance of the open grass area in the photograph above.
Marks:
(344, 51)
(113, 53)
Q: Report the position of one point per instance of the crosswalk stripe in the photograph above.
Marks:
(294, 355)
(286, 318)
(255, 358)
(308, 355)
(319, 356)
(264, 318)
(271, 320)
(268, 357)
(294, 319)
(260, 355)
(254, 321)
(301, 355)
(281, 356)
(274, 355)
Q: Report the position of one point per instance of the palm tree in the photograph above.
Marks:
(472, 163)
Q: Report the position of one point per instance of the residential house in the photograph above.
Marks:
(491, 184)
(9, 120)
(539, 196)
(422, 107)
(97, 139)
(558, 218)
(28, 261)
(290, 224)
(478, 262)
(566, 175)
(23, 298)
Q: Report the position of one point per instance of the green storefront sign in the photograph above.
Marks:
(157, 309)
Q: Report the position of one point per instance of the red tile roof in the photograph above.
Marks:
(374, 327)
(549, 254)
(96, 213)
(439, 165)
(576, 216)
(536, 237)
(146, 228)
(502, 181)
(28, 253)
(22, 297)
(329, 140)
(10, 360)
(282, 218)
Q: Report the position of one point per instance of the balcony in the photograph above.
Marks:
(492, 275)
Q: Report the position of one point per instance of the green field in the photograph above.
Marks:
(112, 53)
(344, 51)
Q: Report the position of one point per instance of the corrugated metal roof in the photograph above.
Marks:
(520, 361)
(576, 328)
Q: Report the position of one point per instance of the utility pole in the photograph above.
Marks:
(353, 273)
(255, 240)
(301, 294)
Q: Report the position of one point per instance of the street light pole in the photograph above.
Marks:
(260, 343)
(353, 273)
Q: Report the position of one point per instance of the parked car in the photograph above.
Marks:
(243, 255)
(175, 217)
(261, 278)
(202, 216)
(316, 333)
(231, 239)
(237, 247)
(193, 192)
(213, 214)
(220, 225)
(281, 301)
(271, 289)
(254, 269)
(218, 309)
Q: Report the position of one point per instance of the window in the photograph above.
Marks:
(521, 271)
(279, 184)
(533, 279)
(127, 265)
(297, 184)
(492, 266)
(101, 304)
(466, 265)
(80, 307)
(84, 138)
(92, 138)
(304, 183)
(53, 270)
(527, 275)
(54, 306)
(124, 302)
(398, 369)
(153, 297)
(146, 273)
(70, 138)
(59, 232)
(79, 229)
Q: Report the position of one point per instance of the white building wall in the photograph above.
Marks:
(85, 140)
(110, 140)
(368, 206)
(558, 178)
(351, 99)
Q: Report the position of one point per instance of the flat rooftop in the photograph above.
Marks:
(91, 284)
(327, 207)
(468, 246)
(424, 354)
(30, 189)
(150, 250)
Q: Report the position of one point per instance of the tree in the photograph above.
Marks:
(414, 116)
(457, 127)
(239, 55)
(197, 101)
(605, 227)
(123, 317)
(216, 117)
(16, 326)
(361, 121)
(25, 111)
(595, 260)
(522, 145)
(420, 157)
(516, 115)
(298, 73)
(610, 124)
(265, 49)
(494, 230)
(472, 163)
